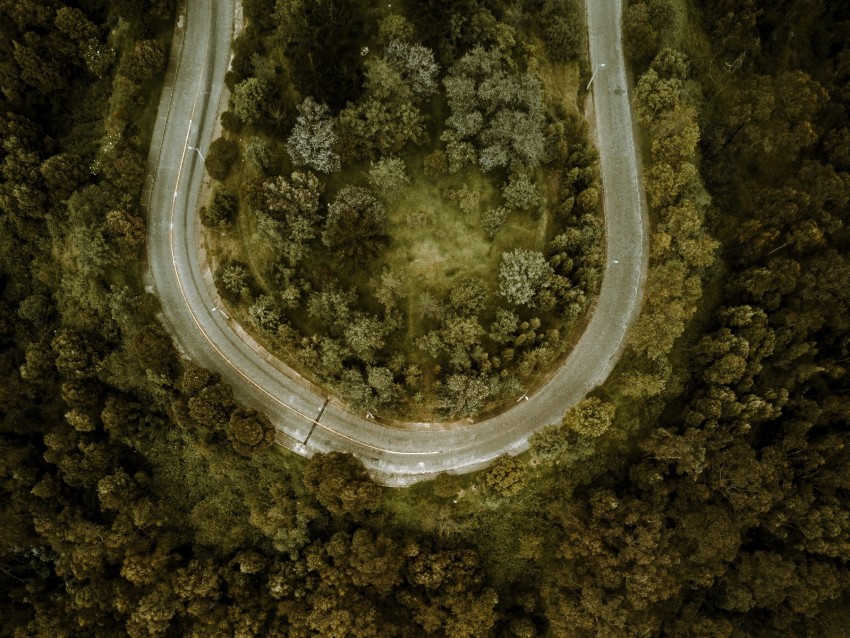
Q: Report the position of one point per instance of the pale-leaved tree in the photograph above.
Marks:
(416, 65)
(313, 139)
(499, 111)
(387, 177)
(522, 274)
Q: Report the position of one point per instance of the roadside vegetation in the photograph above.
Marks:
(421, 230)
(702, 492)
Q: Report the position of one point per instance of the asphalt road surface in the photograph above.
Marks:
(306, 420)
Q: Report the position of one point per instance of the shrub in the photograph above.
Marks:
(250, 99)
(562, 38)
(222, 155)
(436, 164)
(395, 27)
(218, 213)
(387, 176)
(492, 220)
(521, 193)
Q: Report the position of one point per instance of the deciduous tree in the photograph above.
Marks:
(416, 65)
(297, 197)
(211, 407)
(590, 417)
(313, 140)
(235, 279)
(250, 431)
(465, 394)
(493, 219)
(222, 155)
(340, 483)
(251, 98)
(147, 59)
(266, 313)
(522, 275)
(387, 177)
(354, 229)
(500, 111)
(505, 477)
(385, 120)
(521, 192)
(395, 27)
(639, 37)
(219, 211)
(125, 233)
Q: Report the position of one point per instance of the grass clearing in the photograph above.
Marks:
(435, 243)
(561, 81)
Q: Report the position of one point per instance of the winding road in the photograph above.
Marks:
(306, 421)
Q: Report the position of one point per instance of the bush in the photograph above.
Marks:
(230, 122)
(220, 210)
(492, 220)
(521, 193)
(395, 27)
(436, 164)
(387, 176)
(639, 38)
(562, 38)
(220, 158)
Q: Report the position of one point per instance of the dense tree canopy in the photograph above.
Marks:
(138, 499)
(501, 110)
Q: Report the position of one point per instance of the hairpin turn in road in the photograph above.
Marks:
(307, 421)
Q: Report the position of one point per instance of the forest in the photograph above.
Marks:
(703, 491)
